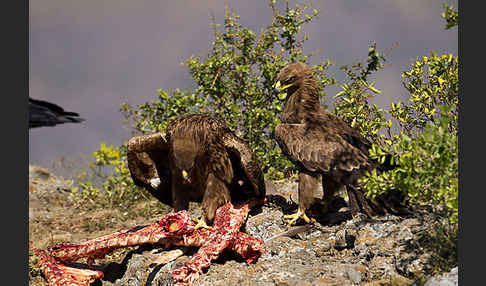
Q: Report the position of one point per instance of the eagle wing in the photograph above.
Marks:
(320, 148)
(147, 157)
(339, 127)
(249, 163)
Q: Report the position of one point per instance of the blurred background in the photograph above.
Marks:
(90, 56)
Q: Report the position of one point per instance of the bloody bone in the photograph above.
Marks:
(61, 275)
(172, 225)
(227, 221)
(248, 247)
(175, 229)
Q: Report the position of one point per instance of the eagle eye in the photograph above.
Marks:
(290, 79)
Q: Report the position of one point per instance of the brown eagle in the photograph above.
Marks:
(318, 142)
(198, 159)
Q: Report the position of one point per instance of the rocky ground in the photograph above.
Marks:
(388, 250)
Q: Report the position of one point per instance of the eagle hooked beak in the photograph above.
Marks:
(280, 90)
(186, 177)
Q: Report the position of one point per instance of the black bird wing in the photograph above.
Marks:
(43, 113)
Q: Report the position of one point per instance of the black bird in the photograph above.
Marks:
(43, 113)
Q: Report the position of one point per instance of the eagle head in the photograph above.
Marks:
(290, 79)
(184, 157)
(185, 166)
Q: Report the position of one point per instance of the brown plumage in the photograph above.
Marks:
(198, 159)
(318, 142)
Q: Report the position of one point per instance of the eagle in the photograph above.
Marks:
(197, 159)
(320, 143)
(43, 113)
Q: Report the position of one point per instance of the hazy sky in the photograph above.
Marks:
(90, 56)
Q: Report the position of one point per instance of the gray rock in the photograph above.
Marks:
(135, 274)
(340, 241)
(39, 173)
(323, 248)
(46, 190)
(405, 234)
(448, 279)
(354, 275)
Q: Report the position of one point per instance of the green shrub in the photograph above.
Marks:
(451, 16)
(234, 82)
(117, 188)
(352, 103)
(426, 146)
(428, 167)
(431, 82)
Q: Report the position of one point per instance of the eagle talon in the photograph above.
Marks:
(201, 223)
(294, 217)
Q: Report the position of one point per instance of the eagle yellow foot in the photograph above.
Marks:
(294, 217)
(200, 223)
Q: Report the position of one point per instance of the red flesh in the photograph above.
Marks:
(58, 274)
(175, 229)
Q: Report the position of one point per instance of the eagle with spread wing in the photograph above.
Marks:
(320, 143)
(197, 159)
